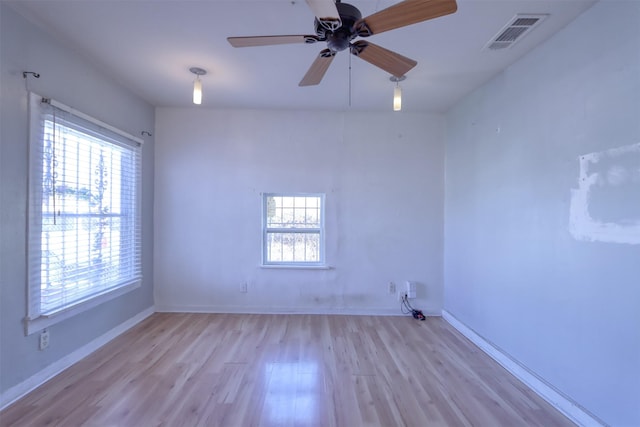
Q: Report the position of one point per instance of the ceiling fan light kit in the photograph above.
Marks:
(197, 84)
(338, 24)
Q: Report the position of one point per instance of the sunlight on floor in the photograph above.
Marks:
(292, 392)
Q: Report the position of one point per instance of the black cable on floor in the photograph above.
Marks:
(406, 305)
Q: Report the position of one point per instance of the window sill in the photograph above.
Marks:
(296, 267)
(45, 321)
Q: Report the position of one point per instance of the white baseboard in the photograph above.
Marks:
(19, 390)
(558, 400)
(282, 310)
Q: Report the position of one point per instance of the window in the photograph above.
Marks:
(293, 229)
(84, 216)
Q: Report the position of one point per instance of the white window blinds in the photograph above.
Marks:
(84, 237)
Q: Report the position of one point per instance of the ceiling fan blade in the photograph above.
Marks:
(404, 13)
(326, 12)
(270, 40)
(391, 62)
(318, 68)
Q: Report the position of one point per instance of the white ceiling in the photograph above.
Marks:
(149, 45)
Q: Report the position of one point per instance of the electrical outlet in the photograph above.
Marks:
(392, 288)
(44, 339)
(411, 289)
(402, 295)
(243, 287)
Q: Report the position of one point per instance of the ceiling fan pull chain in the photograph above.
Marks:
(349, 81)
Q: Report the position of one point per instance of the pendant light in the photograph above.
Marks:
(197, 84)
(397, 92)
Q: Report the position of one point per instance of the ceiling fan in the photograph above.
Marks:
(338, 23)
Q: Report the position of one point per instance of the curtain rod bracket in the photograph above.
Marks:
(144, 132)
(33, 73)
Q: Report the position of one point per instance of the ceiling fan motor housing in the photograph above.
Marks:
(340, 38)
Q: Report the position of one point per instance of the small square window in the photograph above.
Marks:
(293, 229)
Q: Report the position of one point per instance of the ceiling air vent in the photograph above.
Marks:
(514, 31)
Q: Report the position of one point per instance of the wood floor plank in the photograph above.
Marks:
(228, 370)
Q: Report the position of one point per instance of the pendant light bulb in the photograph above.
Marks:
(197, 84)
(197, 91)
(397, 92)
(397, 98)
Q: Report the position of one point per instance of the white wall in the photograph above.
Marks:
(70, 79)
(552, 280)
(383, 179)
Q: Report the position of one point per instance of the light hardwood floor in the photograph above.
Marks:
(285, 370)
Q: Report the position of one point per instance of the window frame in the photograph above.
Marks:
(320, 231)
(37, 318)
